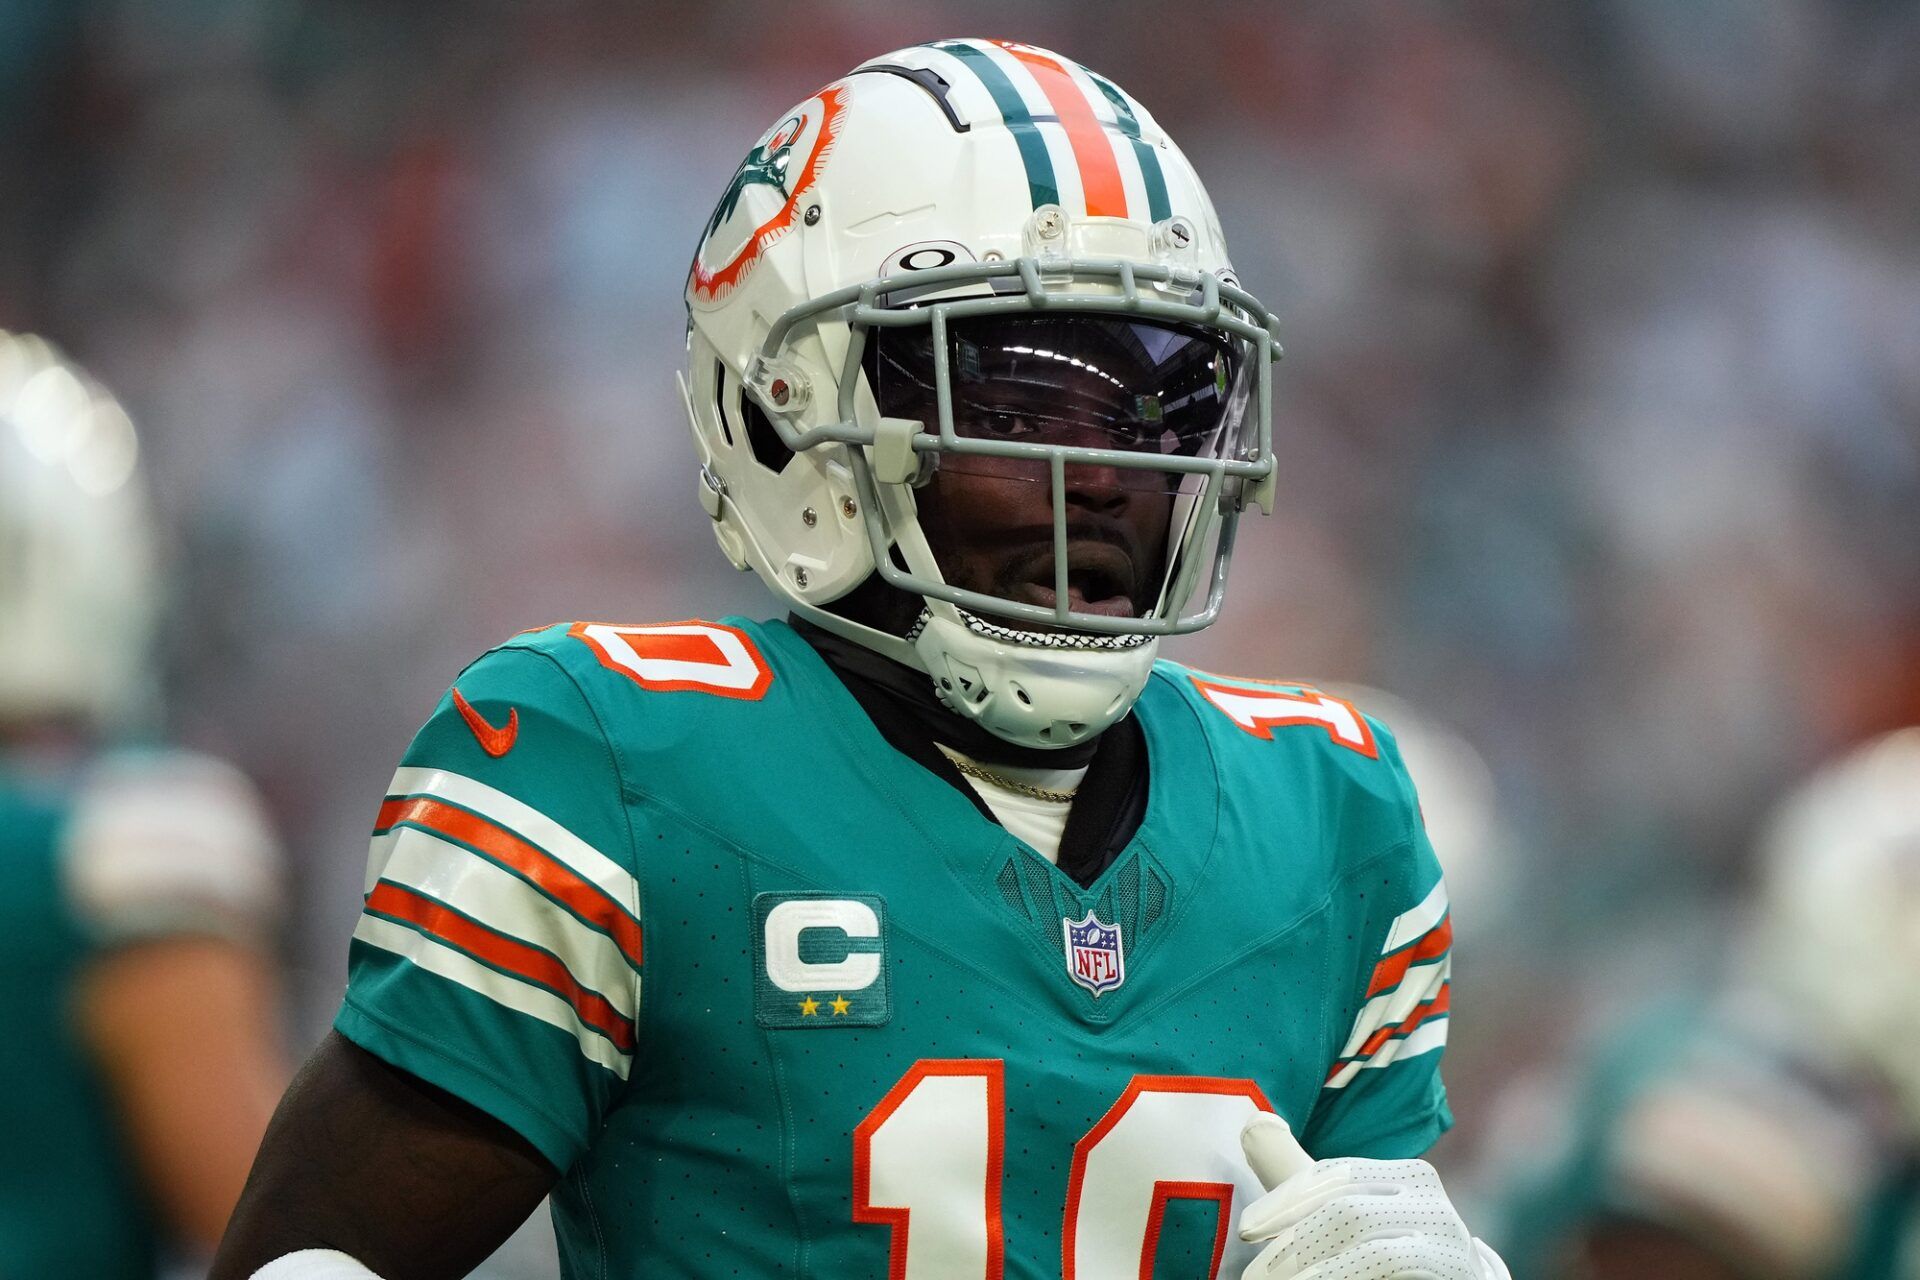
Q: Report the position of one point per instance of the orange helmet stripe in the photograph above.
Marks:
(1092, 150)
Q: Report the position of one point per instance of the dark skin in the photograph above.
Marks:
(366, 1159)
(990, 520)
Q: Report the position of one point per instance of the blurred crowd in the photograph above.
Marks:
(1600, 414)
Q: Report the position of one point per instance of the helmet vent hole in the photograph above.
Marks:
(720, 400)
(768, 449)
(1021, 694)
(1076, 728)
(945, 683)
(980, 696)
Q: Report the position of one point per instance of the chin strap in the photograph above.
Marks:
(1031, 639)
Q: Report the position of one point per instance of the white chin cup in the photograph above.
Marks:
(1028, 691)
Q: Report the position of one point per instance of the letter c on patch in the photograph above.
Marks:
(788, 920)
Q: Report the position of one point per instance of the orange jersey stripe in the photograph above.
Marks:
(552, 877)
(506, 953)
(1390, 971)
(1099, 170)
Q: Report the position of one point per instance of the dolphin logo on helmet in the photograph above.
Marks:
(727, 251)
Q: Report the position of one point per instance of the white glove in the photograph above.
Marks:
(314, 1264)
(1352, 1219)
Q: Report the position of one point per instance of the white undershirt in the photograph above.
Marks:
(1040, 823)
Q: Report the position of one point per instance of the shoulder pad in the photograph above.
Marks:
(170, 841)
(1314, 745)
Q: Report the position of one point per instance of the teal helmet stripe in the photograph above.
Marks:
(1042, 186)
(1159, 208)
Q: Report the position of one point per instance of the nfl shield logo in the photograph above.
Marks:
(1094, 956)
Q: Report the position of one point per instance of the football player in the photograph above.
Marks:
(139, 1058)
(1771, 1132)
(937, 932)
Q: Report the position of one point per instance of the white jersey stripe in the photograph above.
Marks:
(1422, 983)
(528, 822)
(473, 886)
(509, 993)
(1427, 1037)
(1409, 926)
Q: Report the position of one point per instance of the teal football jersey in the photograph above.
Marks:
(1723, 1124)
(778, 1001)
(129, 848)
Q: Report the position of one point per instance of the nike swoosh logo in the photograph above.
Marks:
(495, 742)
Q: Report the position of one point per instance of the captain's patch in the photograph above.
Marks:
(820, 960)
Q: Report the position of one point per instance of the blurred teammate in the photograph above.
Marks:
(138, 1052)
(1771, 1132)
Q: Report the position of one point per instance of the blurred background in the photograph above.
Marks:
(1600, 414)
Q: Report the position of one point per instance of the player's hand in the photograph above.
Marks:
(1352, 1219)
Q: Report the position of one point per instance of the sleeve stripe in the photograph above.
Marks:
(1409, 925)
(434, 957)
(513, 958)
(1409, 991)
(491, 895)
(1395, 1006)
(1427, 1037)
(529, 823)
(1392, 970)
(550, 875)
(1440, 1004)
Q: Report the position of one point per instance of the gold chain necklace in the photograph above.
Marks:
(973, 770)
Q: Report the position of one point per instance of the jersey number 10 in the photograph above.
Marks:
(928, 1161)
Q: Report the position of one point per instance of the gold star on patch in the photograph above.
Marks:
(840, 1005)
(809, 1007)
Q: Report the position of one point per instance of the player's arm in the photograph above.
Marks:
(1369, 1209)
(365, 1159)
(493, 992)
(171, 865)
(182, 1029)
(1383, 1096)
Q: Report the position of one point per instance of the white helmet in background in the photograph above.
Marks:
(78, 597)
(1838, 927)
(944, 219)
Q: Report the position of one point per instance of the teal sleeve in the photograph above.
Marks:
(498, 955)
(1384, 1097)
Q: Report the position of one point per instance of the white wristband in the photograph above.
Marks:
(314, 1264)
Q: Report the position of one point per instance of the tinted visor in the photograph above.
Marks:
(1108, 397)
(1084, 381)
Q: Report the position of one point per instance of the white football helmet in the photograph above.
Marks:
(948, 226)
(1838, 925)
(78, 597)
